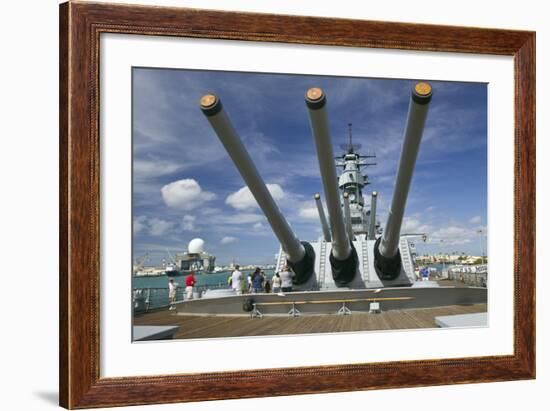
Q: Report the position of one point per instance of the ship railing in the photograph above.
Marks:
(149, 299)
(342, 305)
(474, 279)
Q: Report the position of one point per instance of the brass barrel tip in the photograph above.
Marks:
(317, 196)
(423, 89)
(422, 92)
(315, 98)
(346, 194)
(374, 193)
(210, 104)
(208, 100)
(314, 94)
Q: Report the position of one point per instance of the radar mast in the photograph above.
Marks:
(352, 181)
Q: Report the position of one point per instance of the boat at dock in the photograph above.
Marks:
(195, 260)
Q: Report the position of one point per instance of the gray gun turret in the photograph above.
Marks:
(386, 250)
(322, 217)
(343, 258)
(372, 222)
(300, 255)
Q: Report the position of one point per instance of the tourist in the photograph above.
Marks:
(286, 279)
(189, 284)
(172, 289)
(257, 281)
(267, 284)
(276, 282)
(264, 278)
(236, 280)
(425, 274)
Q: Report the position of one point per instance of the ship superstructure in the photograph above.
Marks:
(352, 181)
(195, 259)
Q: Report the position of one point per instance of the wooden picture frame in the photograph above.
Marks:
(80, 27)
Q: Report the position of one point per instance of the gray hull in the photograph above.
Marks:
(330, 302)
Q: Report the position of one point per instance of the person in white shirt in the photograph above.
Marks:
(276, 283)
(172, 290)
(236, 280)
(286, 279)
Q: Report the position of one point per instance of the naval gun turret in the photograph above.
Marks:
(322, 217)
(372, 222)
(299, 255)
(381, 262)
(350, 248)
(343, 257)
(386, 249)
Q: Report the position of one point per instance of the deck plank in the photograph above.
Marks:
(195, 326)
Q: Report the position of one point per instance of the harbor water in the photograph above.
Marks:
(151, 292)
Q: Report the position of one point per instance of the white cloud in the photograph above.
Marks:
(152, 226)
(140, 224)
(260, 147)
(414, 225)
(188, 223)
(309, 212)
(154, 168)
(158, 227)
(228, 240)
(210, 211)
(243, 198)
(260, 229)
(409, 224)
(452, 235)
(242, 218)
(475, 220)
(185, 194)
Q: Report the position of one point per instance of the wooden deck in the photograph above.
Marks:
(195, 326)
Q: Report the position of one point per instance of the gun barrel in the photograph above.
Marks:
(316, 103)
(322, 217)
(372, 223)
(347, 216)
(212, 108)
(418, 110)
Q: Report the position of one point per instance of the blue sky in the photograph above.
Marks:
(185, 185)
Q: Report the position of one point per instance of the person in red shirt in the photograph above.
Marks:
(189, 284)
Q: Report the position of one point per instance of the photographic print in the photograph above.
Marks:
(277, 204)
(303, 199)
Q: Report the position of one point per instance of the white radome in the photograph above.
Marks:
(196, 246)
